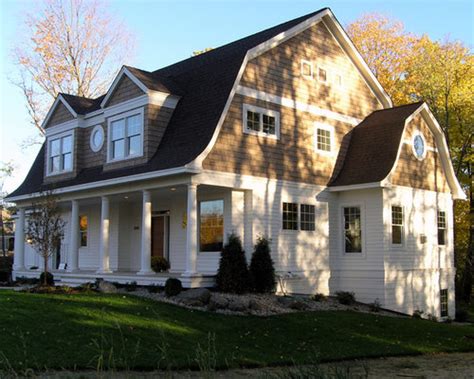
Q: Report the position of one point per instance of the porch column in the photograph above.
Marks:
(73, 261)
(145, 268)
(104, 254)
(248, 224)
(191, 231)
(19, 256)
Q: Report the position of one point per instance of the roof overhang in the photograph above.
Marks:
(361, 186)
(59, 99)
(109, 182)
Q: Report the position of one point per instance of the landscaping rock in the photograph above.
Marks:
(196, 297)
(239, 304)
(293, 303)
(218, 302)
(106, 287)
(256, 305)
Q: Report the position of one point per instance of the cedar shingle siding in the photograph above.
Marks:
(425, 174)
(60, 115)
(124, 91)
(277, 72)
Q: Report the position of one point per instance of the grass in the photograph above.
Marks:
(126, 332)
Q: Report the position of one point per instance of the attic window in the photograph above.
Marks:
(322, 75)
(324, 138)
(260, 121)
(306, 69)
(60, 157)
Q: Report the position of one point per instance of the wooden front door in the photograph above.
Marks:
(159, 236)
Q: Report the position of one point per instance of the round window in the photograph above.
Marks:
(97, 138)
(419, 146)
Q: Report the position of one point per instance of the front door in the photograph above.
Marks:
(159, 235)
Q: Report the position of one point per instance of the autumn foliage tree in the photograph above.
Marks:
(70, 46)
(413, 68)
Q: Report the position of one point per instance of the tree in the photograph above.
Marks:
(74, 46)
(261, 267)
(205, 50)
(6, 170)
(233, 275)
(413, 68)
(45, 228)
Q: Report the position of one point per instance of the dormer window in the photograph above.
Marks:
(60, 154)
(322, 75)
(126, 136)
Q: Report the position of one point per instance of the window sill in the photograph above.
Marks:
(57, 173)
(261, 134)
(116, 160)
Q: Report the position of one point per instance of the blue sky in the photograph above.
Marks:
(168, 31)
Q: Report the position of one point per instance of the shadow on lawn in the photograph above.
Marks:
(104, 332)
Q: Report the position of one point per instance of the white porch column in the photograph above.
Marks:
(145, 267)
(19, 256)
(104, 254)
(248, 224)
(73, 261)
(191, 231)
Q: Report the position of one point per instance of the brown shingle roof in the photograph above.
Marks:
(373, 146)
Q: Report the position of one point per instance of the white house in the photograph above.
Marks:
(285, 133)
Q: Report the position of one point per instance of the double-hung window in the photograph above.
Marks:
(352, 230)
(260, 121)
(441, 228)
(290, 216)
(443, 300)
(126, 137)
(307, 217)
(60, 154)
(397, 225)
(305, 220)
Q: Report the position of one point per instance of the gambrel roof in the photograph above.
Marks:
(205, 85)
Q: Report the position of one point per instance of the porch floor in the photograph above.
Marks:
(76, 278)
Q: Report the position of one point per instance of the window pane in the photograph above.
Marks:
(134, 145)
(118, 130)
(268, 124)
(352, 230)
(306, 69)
(67, 162)
(396, 234)
(307, 217)
(211, 226)
(118, 149)
(324, 140)
(55, 147)
(444, 302)
(133, 125)
(441, 228)
(397, 225)
(322, 74)
(55, 164)
(253, 121)
(83, 229)
(67, 144)
(290, 216)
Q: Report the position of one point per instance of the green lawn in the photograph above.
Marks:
(83, 331)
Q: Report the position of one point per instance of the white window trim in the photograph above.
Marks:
(310, 64)
(418, 133)
(139, 111)
(48, 155)
(446, 228)
(331, 130)
(362, 254)
(327, 75)
(336, 84)
(262, 111)
(217, 198)
(94, 148)
(398, 246)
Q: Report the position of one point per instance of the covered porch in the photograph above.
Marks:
(113, 235)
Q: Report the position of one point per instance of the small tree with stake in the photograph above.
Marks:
(45, 229)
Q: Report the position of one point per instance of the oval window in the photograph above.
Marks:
(419, 148)
(97, 138)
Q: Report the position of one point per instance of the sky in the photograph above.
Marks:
(168, 31)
